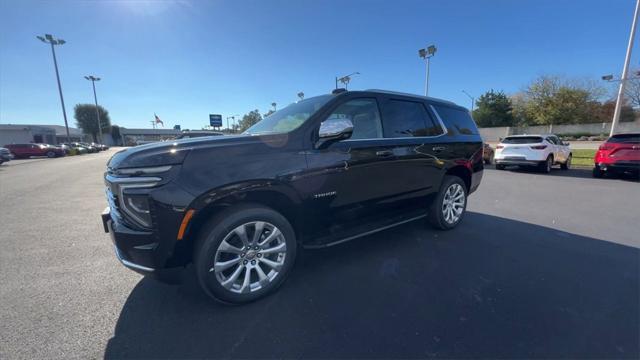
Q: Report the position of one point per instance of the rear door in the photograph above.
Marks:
(416, 165)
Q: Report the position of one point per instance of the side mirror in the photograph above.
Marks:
(332, 130)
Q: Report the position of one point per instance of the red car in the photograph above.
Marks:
(27, 150)
(619, 154)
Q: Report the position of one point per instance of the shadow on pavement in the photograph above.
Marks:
(493, 287)
(577, 172)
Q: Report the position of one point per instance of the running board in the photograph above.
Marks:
(370, 232)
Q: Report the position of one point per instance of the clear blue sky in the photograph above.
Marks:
(186, 59)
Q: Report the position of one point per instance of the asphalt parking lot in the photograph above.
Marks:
(542, 266)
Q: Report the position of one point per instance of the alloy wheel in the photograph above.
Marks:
(453, 203)
(250, 257)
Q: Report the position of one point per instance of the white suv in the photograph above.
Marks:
(542, 151)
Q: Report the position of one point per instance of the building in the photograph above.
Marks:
(133, 137)
(47, 134)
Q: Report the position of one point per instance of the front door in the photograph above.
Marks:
(347, 182)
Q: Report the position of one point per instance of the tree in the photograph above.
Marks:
(87, 120)
(115, 134)
(553, 100)
(605, 112)
(494, 109)
(271, 111)
(249, 120)
(632, 89)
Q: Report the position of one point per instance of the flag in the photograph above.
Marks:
(158, 121)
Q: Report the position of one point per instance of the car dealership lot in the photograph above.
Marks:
(545, 265)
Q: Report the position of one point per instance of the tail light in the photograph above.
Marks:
(499, 146)
(539, 147)
(606, 146)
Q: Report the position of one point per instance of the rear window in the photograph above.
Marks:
(624, 138)
(407, 119)
(457, 119)
(522, 140)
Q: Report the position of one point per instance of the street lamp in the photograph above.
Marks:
(301, 95)
(473, 100)
(427, 54)
(345, 79)
(93, 80)
(274, 106)
(625, 70)
(49, 39)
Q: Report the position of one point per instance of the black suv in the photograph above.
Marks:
(317, 173)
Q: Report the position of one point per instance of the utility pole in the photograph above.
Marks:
(625, 70)
(93, 80)
(49, 39)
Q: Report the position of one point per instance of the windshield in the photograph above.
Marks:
(290, 117)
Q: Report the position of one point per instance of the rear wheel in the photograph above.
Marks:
(567, 164)
(51, 154)
(499, 167)
(448, 208)
(546, 165)
(244, 253)
(597, 173)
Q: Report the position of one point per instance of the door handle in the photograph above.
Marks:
(384, 153)
(439, 148)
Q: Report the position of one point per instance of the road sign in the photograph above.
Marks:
(215, 120)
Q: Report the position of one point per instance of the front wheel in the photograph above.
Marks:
(244, 254)
(51, 154)
(450, 204)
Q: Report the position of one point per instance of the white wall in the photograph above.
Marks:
(18, 136)
(495, 133)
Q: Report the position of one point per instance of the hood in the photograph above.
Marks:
(172, 152)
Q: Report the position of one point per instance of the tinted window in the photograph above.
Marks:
(364, 115)
(408, 118)
(625, 138)
(457, 119)
(522, 140)
(553, 140)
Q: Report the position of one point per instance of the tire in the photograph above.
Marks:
(452, 186)
(545, 166)
(51, 154)
(499, 167)
(220, 243)
(567, 164)
(597, 173)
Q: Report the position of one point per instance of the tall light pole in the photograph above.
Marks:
(345, 79)
(233, 120)
(473, 100)
(625, 70)
(274, 106)
(301, 95)
(93, 80)
(427, 54)
(49, 39)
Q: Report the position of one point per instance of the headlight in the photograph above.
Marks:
(137, 206)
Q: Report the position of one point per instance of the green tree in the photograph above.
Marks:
(493, 109)
(554, 100)
(87, 120)
(249, 120)
(271, 111)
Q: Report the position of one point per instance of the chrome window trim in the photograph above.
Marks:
(440, 122)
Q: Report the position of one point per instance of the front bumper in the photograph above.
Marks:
(134, 249)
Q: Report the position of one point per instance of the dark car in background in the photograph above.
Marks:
(619, 154)
(5, 155)
(28, 150)
(488, 153)
(76, 147)
(319, 172)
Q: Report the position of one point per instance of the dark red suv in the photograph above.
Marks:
(27, 150)
(619, 154)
